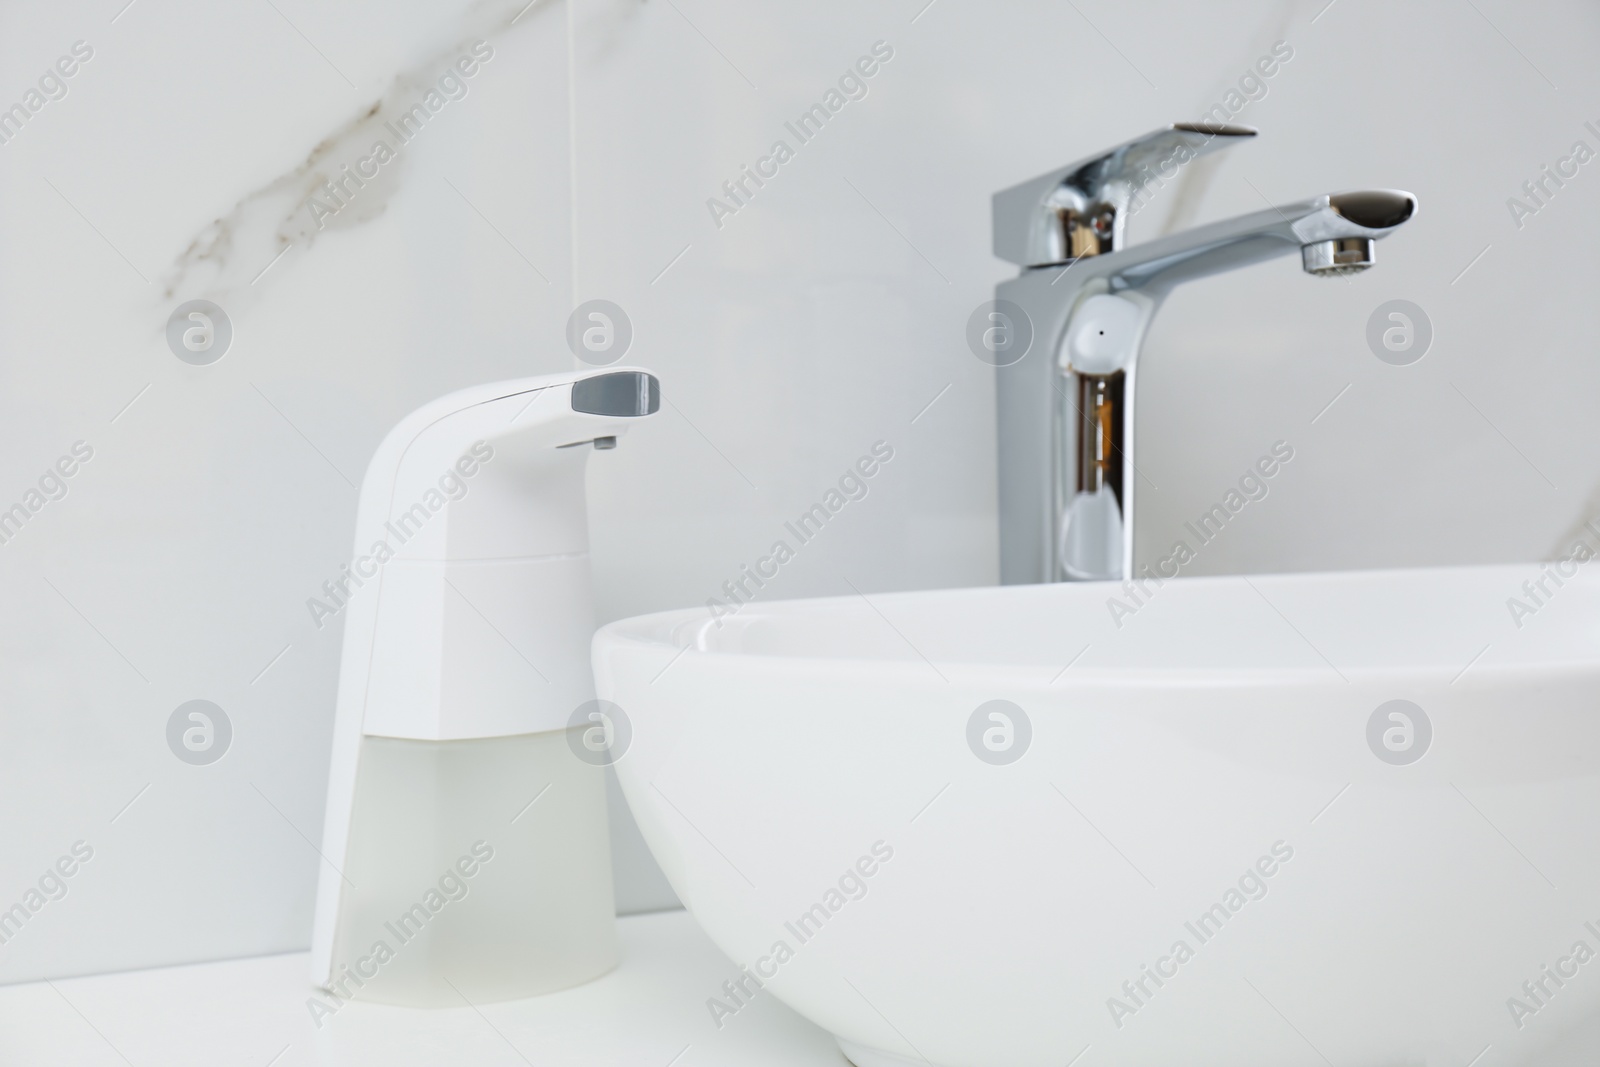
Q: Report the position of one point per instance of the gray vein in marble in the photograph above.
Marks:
(608, 28)
(230, 253)
(1578, 529)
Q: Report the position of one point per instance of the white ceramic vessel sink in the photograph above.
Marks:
(1208, 853)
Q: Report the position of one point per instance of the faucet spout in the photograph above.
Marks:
(1323, 229)
(1067, 476)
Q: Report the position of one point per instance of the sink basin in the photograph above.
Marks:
(1324, 819)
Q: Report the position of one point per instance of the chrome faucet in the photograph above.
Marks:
(1066, 398)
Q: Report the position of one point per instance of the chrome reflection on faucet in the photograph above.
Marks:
(1066, 407)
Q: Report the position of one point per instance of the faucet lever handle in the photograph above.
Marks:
(1080, 210)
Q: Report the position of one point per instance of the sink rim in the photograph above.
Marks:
(682, 633)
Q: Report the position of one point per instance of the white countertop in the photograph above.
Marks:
(649, 1012)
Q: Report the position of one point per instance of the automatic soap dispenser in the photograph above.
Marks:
(466, 856)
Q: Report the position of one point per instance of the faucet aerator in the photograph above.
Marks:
(1340, 257)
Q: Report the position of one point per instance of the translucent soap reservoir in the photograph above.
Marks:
(477, 870)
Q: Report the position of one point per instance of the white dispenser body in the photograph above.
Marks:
(465, 656)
